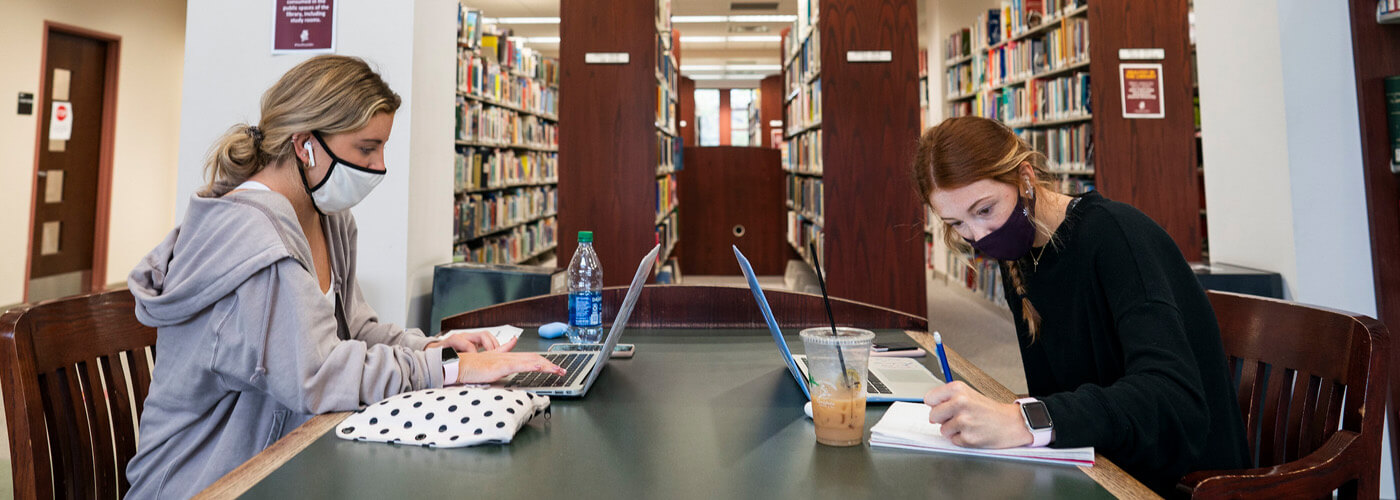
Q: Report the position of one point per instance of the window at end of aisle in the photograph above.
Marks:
(707, 116)
(739, 100)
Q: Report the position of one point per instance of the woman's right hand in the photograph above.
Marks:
(489, 366)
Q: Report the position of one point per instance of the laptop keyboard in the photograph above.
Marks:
(570, 362)
(877, 386)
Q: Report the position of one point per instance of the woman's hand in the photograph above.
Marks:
(972, 420)
(473, 341)
(492, 365)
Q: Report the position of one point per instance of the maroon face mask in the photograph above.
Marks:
(1013, 239)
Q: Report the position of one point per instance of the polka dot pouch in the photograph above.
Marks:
(448, 417)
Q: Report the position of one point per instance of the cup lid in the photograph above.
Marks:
(844, 335)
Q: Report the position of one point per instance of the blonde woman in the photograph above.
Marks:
(261, 322)
(1119, 343)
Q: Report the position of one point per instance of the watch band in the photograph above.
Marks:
(1039, 437)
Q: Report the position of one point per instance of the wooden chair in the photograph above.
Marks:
(76, 372)
(1312, 391)
(682, 306)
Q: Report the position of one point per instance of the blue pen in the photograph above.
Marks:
(942, 357)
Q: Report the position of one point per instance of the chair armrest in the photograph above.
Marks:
(1323, 470)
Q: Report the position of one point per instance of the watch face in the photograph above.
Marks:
(1036, 415)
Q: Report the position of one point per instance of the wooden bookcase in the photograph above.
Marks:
(851, 128)
(506, 194)
(1376, 50)
(1148, 163)
(620, 143)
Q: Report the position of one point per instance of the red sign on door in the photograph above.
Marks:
(1142, 90)
(303, 26)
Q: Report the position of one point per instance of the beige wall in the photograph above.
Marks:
(147, 126)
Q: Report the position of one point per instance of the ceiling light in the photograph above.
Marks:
(702, 39)
(731, 76)
(522, 20)
(762, 19)
(756, 38)
(706, 77)
(702, 67)
(699, 19)
(752, 67)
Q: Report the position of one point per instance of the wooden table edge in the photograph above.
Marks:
(240, 480)
(1104, 472)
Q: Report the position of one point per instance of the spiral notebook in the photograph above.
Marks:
(905, 425)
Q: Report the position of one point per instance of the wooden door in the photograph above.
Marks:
(732, 196)
(69, 198)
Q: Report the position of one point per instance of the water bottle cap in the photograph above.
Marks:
(585, 236)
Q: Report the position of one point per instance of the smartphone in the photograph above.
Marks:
(898, 349)
(619, 351)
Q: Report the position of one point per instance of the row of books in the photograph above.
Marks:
(1067, 148)
(482, 78)
(665, 60)
(665, 108)
(1074, 184)
(980, 274)
(517, 246)
(669, 151)
(806, 108)
(800, 231)
(806, 195)
(497, 125)
(663, 15)
(492, 168)
(1015, 17)
(804, 153)
(480, 214)
(1018, 61)
(807, 15)
(667, 194)
(468, 26)
(1039, 100)
(667, 233)
(806, 65)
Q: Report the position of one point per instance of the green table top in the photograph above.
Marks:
(695, 414)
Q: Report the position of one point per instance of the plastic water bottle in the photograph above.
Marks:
(585, 293)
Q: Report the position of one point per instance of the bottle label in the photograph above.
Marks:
(586, 309)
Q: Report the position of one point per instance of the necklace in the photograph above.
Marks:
(1035, 257)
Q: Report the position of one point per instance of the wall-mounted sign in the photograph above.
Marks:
(61, 121)
(868, 56)
(26, 103)
(1142, 90)
(302, 26)
(606, 58)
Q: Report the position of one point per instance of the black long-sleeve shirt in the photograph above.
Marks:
(1128, 358)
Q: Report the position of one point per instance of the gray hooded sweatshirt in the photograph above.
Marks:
(247, 345)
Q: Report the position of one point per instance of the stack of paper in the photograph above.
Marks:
(905, 425)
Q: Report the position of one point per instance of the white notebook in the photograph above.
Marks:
(905, 425)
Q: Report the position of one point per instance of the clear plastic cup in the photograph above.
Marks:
(836, 377)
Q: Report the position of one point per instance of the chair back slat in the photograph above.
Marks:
(124, 444)
(100, 423)
(1273, 422)
(72, 413)
(1304, 374)
(1251, 392)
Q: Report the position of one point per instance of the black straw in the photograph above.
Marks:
(812, 247)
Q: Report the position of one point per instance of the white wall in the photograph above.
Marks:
(405, 224)
(144, 153)
(1282, 151)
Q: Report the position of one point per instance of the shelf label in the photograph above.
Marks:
(1141, 86)
(606, 58)
(1141, 54)
(868, 56)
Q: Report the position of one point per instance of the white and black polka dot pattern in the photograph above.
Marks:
(449, 417)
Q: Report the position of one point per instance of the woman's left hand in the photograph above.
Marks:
(972, 420)
(473, 341)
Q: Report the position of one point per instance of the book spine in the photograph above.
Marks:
(1392, 111)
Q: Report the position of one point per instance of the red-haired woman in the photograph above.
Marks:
(1120, 345)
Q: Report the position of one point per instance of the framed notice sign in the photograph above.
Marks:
(1141, 85)
(305, 26)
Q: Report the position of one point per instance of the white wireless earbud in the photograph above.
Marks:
(310, 156)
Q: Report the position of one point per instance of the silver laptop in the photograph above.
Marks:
(891, 379)
(584, 367)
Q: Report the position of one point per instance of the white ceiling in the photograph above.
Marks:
(693, 53)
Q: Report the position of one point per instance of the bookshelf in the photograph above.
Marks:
(923, 90)
(850, 128)
(620, 154)
(505, 199)
(1049, 70)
